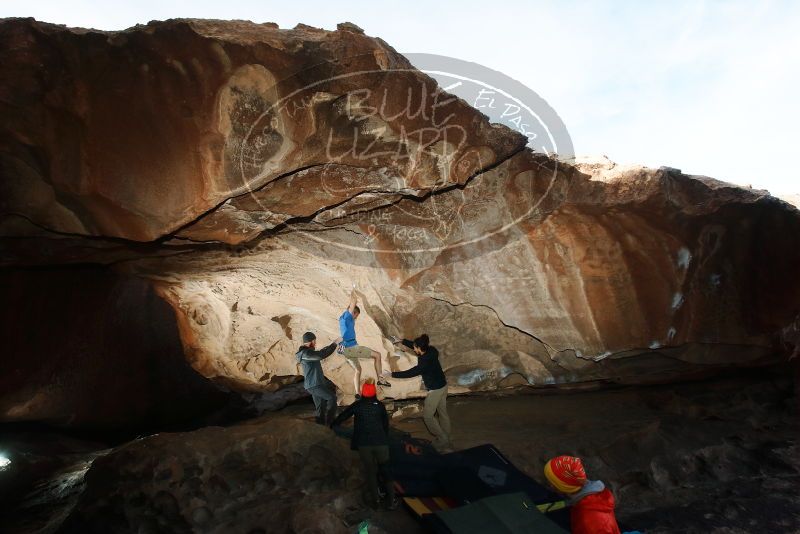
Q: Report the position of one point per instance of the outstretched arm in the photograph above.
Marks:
(346, 414)
(404, 344)
(424, 364)
(317, 355)
(353, 301)
(408, 373)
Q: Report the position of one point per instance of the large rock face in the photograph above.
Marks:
(135, 134)
(251, 175)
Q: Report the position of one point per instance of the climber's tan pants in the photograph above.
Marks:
(356, 353)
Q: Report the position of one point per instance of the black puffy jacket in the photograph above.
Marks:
(371, 423)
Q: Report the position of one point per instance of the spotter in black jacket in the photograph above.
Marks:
(371, 423)
(428, 366)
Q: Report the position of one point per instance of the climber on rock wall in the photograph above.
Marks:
(591, 503)
(351, 350)
(435, 409)
(322, 390)
(371, 440)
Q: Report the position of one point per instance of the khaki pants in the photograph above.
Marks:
(357, 352)
(436, 418)
(353, 354)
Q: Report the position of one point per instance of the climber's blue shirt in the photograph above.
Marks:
(347, 329)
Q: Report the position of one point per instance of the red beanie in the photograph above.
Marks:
(565, 473)
(368, 390)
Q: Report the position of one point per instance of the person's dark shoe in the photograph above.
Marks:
(393, 504)
(358, 397)
(384, 383)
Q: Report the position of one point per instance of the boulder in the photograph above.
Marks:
(277, 474)
(250, 175)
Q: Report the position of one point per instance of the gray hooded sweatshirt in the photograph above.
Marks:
(310, 360)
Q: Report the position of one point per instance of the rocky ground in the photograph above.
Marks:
(717, 455)
(709, 456)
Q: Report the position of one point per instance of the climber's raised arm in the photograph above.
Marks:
(353, 302)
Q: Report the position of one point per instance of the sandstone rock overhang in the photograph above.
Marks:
(135, 134)
(251, 174)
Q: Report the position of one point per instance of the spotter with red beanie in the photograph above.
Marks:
(371, 440)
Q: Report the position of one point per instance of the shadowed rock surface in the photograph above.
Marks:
(275, 474)
(712, 456)
(91, 348)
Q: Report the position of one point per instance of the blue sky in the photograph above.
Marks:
(709, 87)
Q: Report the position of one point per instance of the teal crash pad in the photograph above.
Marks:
(512, 513)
